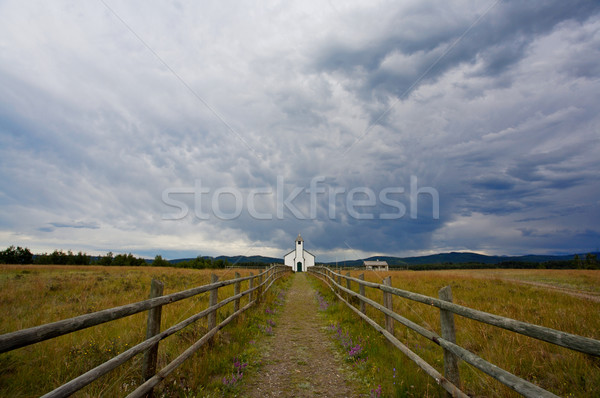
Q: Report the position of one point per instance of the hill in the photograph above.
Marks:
(459, 258)
(237, 259)
(444, 260)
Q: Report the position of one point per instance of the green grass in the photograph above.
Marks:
(384, 366)
(35, 295)
(559, 370)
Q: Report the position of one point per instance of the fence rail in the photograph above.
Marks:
(450, 382)
(25, 337)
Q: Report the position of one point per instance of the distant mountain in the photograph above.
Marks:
(441, 258)
(237, 259)
(251, 259)
(459, 258)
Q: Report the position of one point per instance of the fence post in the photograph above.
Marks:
(212, 300)
(449, 333)
(236, 291)
(152, 329)
(387, 303)
(361, 291)
(250, 286)
(348, 286)
(260, 289)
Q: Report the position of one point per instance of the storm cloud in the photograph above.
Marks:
(182, 128)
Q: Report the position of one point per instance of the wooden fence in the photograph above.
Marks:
(450, 381)
(258, 285)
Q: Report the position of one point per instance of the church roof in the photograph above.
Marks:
(294, 251)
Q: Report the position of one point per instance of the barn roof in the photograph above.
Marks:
(375, 262)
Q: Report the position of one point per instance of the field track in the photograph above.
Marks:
(586, 295)
(299, 352)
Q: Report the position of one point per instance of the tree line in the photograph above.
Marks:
(196, 263)
(22, 255)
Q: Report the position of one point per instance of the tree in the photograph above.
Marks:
(160, 262)
(82, 259)
(577, 261)
(16, 255)
(591, 261)
(106, 260)
(58, 257)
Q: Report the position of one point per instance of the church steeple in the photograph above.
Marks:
(299, 259)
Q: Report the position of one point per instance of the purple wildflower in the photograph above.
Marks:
(376, 392)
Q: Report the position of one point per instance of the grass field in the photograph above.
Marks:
(559, 370)
(35, 295)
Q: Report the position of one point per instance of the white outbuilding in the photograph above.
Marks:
(376, 265)
(299, 259)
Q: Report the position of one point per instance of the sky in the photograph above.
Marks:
(400, 128)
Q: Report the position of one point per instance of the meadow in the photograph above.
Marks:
(502, 292)
(35, 295)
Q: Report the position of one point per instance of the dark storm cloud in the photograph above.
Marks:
(501, 120)
(421, 33)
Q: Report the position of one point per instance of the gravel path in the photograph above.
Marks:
(300, 360)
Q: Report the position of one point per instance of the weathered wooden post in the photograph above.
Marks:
(449, 333)
(212, 300)
(387, 303)
(348, 286)
(250, 286)
(152, 329)
(236, 291)
(361, 291)
(260, 289)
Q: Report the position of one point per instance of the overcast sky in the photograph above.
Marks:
(370, 127)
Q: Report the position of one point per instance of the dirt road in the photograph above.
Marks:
(300, 360)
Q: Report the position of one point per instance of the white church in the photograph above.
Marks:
(299, 259)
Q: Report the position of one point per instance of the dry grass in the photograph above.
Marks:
(562, 371)
(35, 295)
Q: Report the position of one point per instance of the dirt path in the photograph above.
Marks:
(571, 292)
(300, 359)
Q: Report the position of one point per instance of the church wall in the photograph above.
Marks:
(299, 255)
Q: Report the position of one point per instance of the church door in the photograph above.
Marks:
(299, 267)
